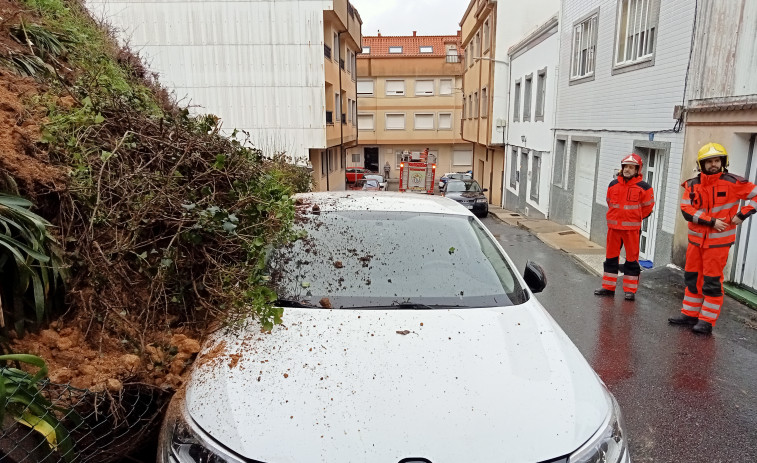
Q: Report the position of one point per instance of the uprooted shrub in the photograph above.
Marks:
(164, 221)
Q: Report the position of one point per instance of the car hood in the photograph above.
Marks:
(483, 385)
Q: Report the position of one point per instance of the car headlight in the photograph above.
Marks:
(609, 444)
(182, 441)
(481, 200)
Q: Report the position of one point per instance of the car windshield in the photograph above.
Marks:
(371, 182)
(374, 259)
(459, 186)
(377, 178)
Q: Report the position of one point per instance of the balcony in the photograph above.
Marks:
(454, 58)
(327, 51)
(330, 117)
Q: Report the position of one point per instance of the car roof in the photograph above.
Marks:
(388, 201)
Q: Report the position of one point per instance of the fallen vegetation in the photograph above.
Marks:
(161, 223)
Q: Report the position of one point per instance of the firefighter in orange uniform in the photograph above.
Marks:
(629, 200)
(710, 204)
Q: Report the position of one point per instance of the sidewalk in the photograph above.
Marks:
(587, 253)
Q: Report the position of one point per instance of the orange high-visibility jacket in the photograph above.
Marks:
(717, 196)
(629, 202)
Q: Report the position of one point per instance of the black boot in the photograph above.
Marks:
(630, 297)
(603, 292)
(702, 327)
(683, 319)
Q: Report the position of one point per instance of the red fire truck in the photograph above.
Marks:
(417, 172)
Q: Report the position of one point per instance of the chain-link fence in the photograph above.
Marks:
(78, 425)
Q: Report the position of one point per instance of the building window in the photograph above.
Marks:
(465, 106)
(584, 48)
(541, 88)
(349, 109)
(445, 87)
(636, 31)
(367, 50)
(395, 122)
(477, 46)
(395, 87)
(484, 103)
(426, 49)
(462, 158)
(354, 112)
(354, 67)
(332, 160)
(424, 121)
(323, 162)
(337, 107)
(365, 122)
(516, 101)
(535, 175)
(486, 35)
(336, 48)
(527, 97)
(558, 175)
(395, 49)
(470, 106)
(475, 104)
(445, 121)
(355, 157)
(424, 87)
(365, 88)
(514, 168)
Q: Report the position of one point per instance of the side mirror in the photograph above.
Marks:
(535, 277)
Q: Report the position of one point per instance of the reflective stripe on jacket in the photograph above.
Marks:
(717, 196)
(628, 202)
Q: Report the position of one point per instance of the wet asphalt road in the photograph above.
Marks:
(685, 398)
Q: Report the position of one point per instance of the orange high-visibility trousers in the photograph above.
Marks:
(631, 269)
(703, 276)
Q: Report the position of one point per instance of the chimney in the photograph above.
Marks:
(414, 33)
(379, 32)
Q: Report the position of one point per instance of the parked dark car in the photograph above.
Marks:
(468, 193)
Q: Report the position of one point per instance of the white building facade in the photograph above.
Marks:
(623, 66)
(531, 118)
(263, 66)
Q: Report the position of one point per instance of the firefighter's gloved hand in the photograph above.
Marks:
(720, 225)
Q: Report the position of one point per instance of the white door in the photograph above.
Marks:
(745, 271)
(583, 188)
(652, 174)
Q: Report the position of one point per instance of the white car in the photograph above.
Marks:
(397, 345)
(456, 175)
(379, 178)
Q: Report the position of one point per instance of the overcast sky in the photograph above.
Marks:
(402, 17)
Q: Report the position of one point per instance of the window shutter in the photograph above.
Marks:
(424, 121)
(424, 87)
(365, 87)
(365, 121)
(395, 87)
(395, 121)
(445, 121)
(445, 87)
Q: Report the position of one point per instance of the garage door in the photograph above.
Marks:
(583, 188)
(745, 271)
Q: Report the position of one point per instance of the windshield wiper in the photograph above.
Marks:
(408, 306)
(293, 303)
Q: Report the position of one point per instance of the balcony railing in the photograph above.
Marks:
(330, 117)
(454, 58)
(327, 51)
(341, 63)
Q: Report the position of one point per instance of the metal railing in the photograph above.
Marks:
(327, 51)
(454, 58)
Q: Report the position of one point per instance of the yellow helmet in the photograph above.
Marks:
(711, 150)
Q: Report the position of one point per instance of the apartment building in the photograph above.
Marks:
(283, 72)
(721, 107)
(489, 29)
(409, 99)
(623, 66)
(531, 118)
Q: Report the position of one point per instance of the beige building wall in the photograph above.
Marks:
(342, 39)
(410, 102)
(478, 41)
